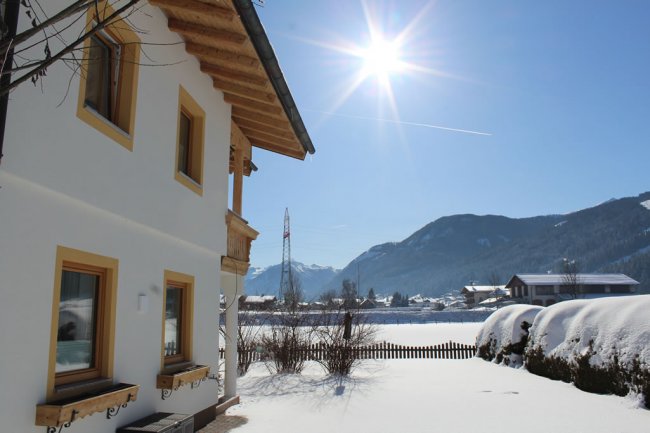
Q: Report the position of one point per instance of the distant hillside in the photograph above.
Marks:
(451, 251)
(266, 281)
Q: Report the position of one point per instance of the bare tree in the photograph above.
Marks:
(571, 281)
(17, 51)
(327, 298)
(287, 341)
(340, 334)
(349, 294)
(294, 295)
(494, 280)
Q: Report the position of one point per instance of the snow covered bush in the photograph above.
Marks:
(601, 345)
(504, 334)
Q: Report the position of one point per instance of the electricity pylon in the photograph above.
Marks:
(285, 275)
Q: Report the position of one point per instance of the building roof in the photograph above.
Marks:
(560, 279)
(228, 40)
(254, 299)
(486, 289)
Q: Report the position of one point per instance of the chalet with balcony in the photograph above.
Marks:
(115, 233)
(547, 289)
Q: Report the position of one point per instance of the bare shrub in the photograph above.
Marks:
(339, 349)
(287, 342)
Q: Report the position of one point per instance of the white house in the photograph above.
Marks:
(115, 231)
(547, 289)
(474, 295)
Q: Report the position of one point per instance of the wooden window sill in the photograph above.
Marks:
(193, 375)
(64, 412)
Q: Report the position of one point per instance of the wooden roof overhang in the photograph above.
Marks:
(231, 46)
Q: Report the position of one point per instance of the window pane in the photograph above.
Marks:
(75, 345)
(173, 321)
(184, 141)
(98, 77)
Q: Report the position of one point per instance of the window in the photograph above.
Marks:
(109, 78)
(103, 76)
(544, 290)
(177, 318)
(83, 317)
(189, 143)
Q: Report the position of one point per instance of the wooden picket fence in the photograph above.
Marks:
(384, 350)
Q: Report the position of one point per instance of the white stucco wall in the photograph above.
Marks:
(64, 183)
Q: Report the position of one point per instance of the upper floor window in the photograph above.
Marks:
(189, 143)
(102, 76)
(185, 144)
(109, 77)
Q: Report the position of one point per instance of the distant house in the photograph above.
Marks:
(367, 304)
(547, 289)
(474, 295)
(257, 303)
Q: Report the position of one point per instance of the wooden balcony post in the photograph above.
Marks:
(238, 181)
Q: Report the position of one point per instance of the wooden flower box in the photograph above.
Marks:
(64, 412)
(173, 381)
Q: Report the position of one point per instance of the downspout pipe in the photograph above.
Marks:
(11, 21)
(260, 41)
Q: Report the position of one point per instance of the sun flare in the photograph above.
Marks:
(381, 58)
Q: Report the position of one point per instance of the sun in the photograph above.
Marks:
(381, 58)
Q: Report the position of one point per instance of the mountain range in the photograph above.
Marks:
(451, 251)
(266, 281)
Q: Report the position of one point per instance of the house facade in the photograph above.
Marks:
(115, 232)
(474, 295)
(547, 289)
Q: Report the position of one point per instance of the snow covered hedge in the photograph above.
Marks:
(601, 345)
(504, 334)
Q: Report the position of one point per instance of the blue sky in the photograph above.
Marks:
(563, 89)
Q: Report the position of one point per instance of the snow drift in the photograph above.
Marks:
(503, 336)
(601, 345)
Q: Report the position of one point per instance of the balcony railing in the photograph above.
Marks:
(240, 237)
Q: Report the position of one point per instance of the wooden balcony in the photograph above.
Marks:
(240, 237)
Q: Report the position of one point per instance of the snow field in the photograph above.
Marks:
(463, 396)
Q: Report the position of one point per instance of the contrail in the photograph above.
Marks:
(399, 122)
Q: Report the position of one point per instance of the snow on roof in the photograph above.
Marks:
(483, 288)
(559, 279)
(490, 301)
(253, 299)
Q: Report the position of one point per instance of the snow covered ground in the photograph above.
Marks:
(429, 334)
(411, 396)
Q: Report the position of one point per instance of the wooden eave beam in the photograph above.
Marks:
(252, 134)
(278, 122)
(232, 75)
(197, 30)
(197, 7)
(219, 54)
(240, 90)
(251, 104)
(265, 128)
(294, 152)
